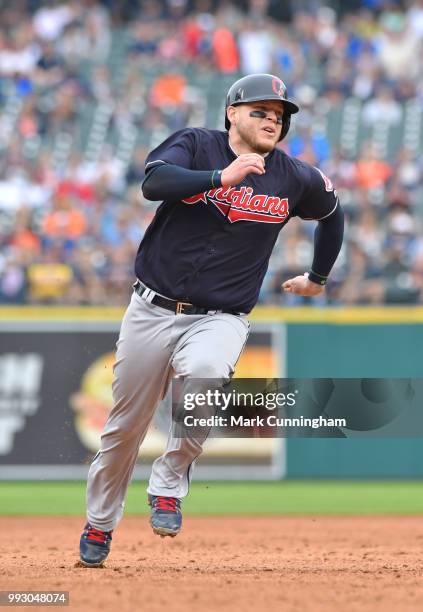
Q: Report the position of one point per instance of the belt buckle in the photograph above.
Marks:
(180, 307)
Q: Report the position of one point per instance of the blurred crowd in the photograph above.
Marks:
(88, 87)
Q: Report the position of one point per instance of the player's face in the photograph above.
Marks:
(259, 124)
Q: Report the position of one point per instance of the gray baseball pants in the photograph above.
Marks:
(154, 345)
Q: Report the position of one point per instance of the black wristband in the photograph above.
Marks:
(216, 178)
(317, 278)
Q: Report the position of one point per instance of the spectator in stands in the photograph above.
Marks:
(13, 286)
(362, 284)
(145, 39)
(168, 90)
(50, 20)
(398, 47)
(225, 50)
(255, 48)
(119, 274)
(368, 235)
(64, 224)
(198, 31)
(136, 171)
(23, 239)
(414, 16)
(159, 65)
(48, 278)
(88, 264)
(309, 144)
(408, 170)
(383, 108)
(371, 172)
(50, 65)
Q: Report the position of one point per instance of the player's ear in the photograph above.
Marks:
(231, 113)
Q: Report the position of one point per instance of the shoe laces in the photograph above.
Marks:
(166, 503)
(95, 535)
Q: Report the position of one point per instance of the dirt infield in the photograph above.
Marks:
(260, 564)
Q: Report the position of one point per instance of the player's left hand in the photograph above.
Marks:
(302, 286)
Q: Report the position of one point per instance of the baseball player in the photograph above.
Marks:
(225, 195)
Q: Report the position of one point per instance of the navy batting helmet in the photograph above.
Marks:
(258, 87)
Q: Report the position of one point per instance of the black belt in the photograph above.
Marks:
(173, 305)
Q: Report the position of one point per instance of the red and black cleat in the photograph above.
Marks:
(94, 546)
(166, 515)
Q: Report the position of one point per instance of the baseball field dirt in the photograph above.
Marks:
(225, 563)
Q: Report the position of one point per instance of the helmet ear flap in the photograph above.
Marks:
(285, 126)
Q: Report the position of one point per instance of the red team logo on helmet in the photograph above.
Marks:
(243, 205)
(278, 87)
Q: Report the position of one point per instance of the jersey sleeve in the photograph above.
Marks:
(178, 149)
(320, 199)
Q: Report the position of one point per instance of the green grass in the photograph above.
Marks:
(247, 498)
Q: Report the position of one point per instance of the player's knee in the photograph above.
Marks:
(204, 368)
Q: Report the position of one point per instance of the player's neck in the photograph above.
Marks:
(239, 147)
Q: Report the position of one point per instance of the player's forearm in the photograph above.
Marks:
(327, 244)
(170, 182)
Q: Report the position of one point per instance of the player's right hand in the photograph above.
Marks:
(244, 164)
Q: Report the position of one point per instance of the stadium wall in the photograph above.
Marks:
(389, 345)
(300, 342)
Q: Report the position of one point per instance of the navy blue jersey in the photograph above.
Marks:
(213, 249)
